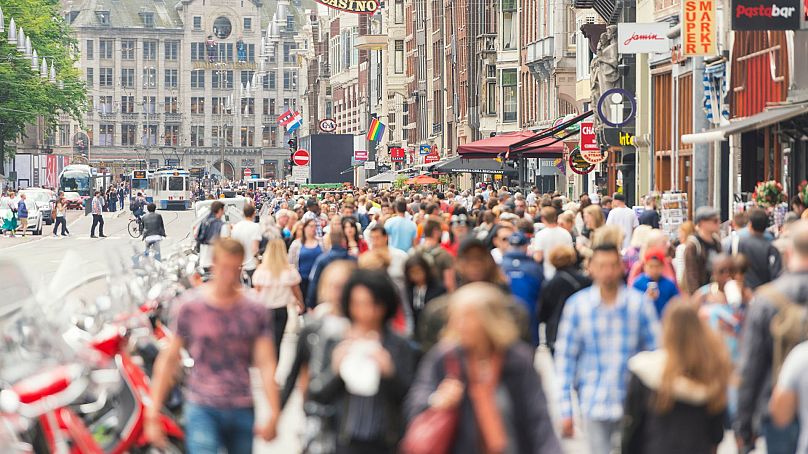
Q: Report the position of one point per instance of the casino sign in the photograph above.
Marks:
(352, 6)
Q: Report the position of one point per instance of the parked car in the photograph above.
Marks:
(74, 201)
(40, 204)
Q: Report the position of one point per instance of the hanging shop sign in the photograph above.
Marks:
(766, 14)
(612, 106)
(589, 140)
(396, 154)
(578, 164)
(634, 38)
(698, 28)
(352, 6)
(328, 125)
(360, 155)
(424, 150)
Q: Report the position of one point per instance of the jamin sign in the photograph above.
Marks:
(698, 28)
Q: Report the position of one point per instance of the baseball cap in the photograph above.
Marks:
(705, 213)
(655, 253)
(518, 239)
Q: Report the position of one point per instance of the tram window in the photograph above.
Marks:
(176, 183)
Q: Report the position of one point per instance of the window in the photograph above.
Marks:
(105, 47)
(247, 23)
(267, 136)
(150, 50)
(197, 22)
(399, 63)
(287, 52)
(88, 53)
(289, 79)
(269, 106)
(172, 137)
(222, 79)
(248, 106)
(251, 53)
(509, 100)
(64, 135)
(222, 27)
(491, 98)
(197, 136)
(171, 105)
(128, 49)
(128, 77)
(148, 20)
(224, 51)
(90, 81)
(103, 17)
(269, 81)
(197, 51)
(150, 105)
(198, 78)
(247, 136)
(221, 105)
(247, 76)
(105, 104)
(106, 134)
(149, 77)
(218, 133)
(127, 104)
(509, 28)
(105, 77)
(197, 105)
(128, 135)
(149, 135)
(171, 78)
(398, 11)
(172, 50)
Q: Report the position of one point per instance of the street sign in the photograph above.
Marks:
(370, 165)
(360, 155)
(328, 125)
(301, 157)
(578, 164)
(300, 174)
(424, 150)
(247, 172)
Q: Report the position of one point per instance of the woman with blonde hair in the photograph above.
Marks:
(677, 396)
(278, 283)
(497, 392)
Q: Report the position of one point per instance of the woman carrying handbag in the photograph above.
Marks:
(497, 400)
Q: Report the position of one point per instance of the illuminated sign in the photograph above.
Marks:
(765, 15)
(352, 6)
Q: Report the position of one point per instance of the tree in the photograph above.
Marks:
(24, 95)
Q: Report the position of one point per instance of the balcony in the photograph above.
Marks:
(129, 116)
(173, 117)
(486, 43)
(371, 42)
(540, 57)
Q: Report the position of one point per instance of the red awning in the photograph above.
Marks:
(548, 147)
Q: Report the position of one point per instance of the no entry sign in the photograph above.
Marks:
(301, 157)
(247, 172)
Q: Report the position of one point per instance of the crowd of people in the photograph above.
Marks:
(417, 305)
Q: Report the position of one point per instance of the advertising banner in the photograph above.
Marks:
(634, 38)
(698, 28)
(766, 14)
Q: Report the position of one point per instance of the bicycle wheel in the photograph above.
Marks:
(134, 228)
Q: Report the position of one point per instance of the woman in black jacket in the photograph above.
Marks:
(567, 280)
(365, 384)
(677, 396)
(422, 285)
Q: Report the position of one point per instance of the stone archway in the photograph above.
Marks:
(229, 169)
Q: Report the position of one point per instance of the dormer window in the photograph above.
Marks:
(148, 19)
(103, 17)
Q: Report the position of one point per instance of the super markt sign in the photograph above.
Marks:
(352, 6)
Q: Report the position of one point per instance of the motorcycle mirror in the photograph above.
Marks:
(9, 401)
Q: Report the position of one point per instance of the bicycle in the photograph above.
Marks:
(135, 227)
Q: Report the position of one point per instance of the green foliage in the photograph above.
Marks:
(399, 183)
(24, 96)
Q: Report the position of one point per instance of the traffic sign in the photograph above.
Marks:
(360, 155)
(328, 125)
(301, 157)
(247, 172)
(300, 174)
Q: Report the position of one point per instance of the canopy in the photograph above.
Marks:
(759, 120)
(384, 177)
(458, 164)
(422, 179)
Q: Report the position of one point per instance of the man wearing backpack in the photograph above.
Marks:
(776, 322)
(701, 248)
(208, 231)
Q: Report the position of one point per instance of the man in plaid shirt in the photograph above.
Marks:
(601, 328)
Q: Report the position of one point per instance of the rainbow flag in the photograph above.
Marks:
(375, 130)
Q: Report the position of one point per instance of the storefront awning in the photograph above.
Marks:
(757, 121)
(384, 177)
(474, 166)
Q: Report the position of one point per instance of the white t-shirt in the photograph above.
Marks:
(548, 239)
(626, 219)
(277, 292)
(247, 233)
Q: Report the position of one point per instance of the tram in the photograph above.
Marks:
(171, 189)
(139, 180)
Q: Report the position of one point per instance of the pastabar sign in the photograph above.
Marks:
(766, 14)
(699, 28)
(352, 6)
(635, 38)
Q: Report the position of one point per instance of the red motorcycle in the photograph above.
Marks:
(71, 423)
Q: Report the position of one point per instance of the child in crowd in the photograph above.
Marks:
(653, 283)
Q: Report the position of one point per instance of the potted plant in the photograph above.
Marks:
(769, 194)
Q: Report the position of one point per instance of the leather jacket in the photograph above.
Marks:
(153, 225)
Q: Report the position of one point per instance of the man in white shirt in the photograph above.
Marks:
(549, 238)
(248, 233)
(623, 217)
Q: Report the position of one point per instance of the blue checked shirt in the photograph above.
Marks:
(594, 344)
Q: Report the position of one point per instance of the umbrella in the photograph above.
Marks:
(422, 179)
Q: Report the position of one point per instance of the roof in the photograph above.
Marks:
(506, 144)
(384, 177)
(753, 122)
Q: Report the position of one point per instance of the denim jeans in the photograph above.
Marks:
(209, 430)
(781, 440)
(603, 437)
